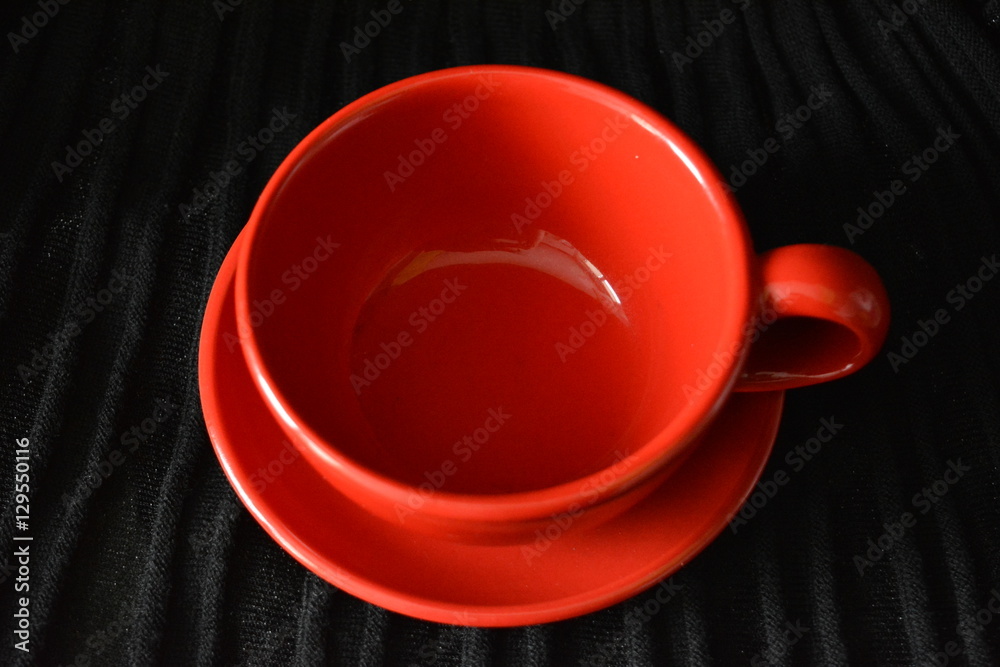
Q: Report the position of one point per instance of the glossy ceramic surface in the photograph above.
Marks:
(501, 293)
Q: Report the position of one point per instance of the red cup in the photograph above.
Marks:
(484, 298)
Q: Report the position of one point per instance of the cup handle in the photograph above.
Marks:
(824, 314)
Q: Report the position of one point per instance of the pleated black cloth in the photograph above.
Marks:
(882, 546)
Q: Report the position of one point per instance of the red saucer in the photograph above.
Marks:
(575, 570)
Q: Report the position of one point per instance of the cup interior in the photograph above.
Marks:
(496, 280)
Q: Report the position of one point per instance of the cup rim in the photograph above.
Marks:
(637, 466)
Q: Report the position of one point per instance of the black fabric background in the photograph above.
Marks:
(163, 547)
